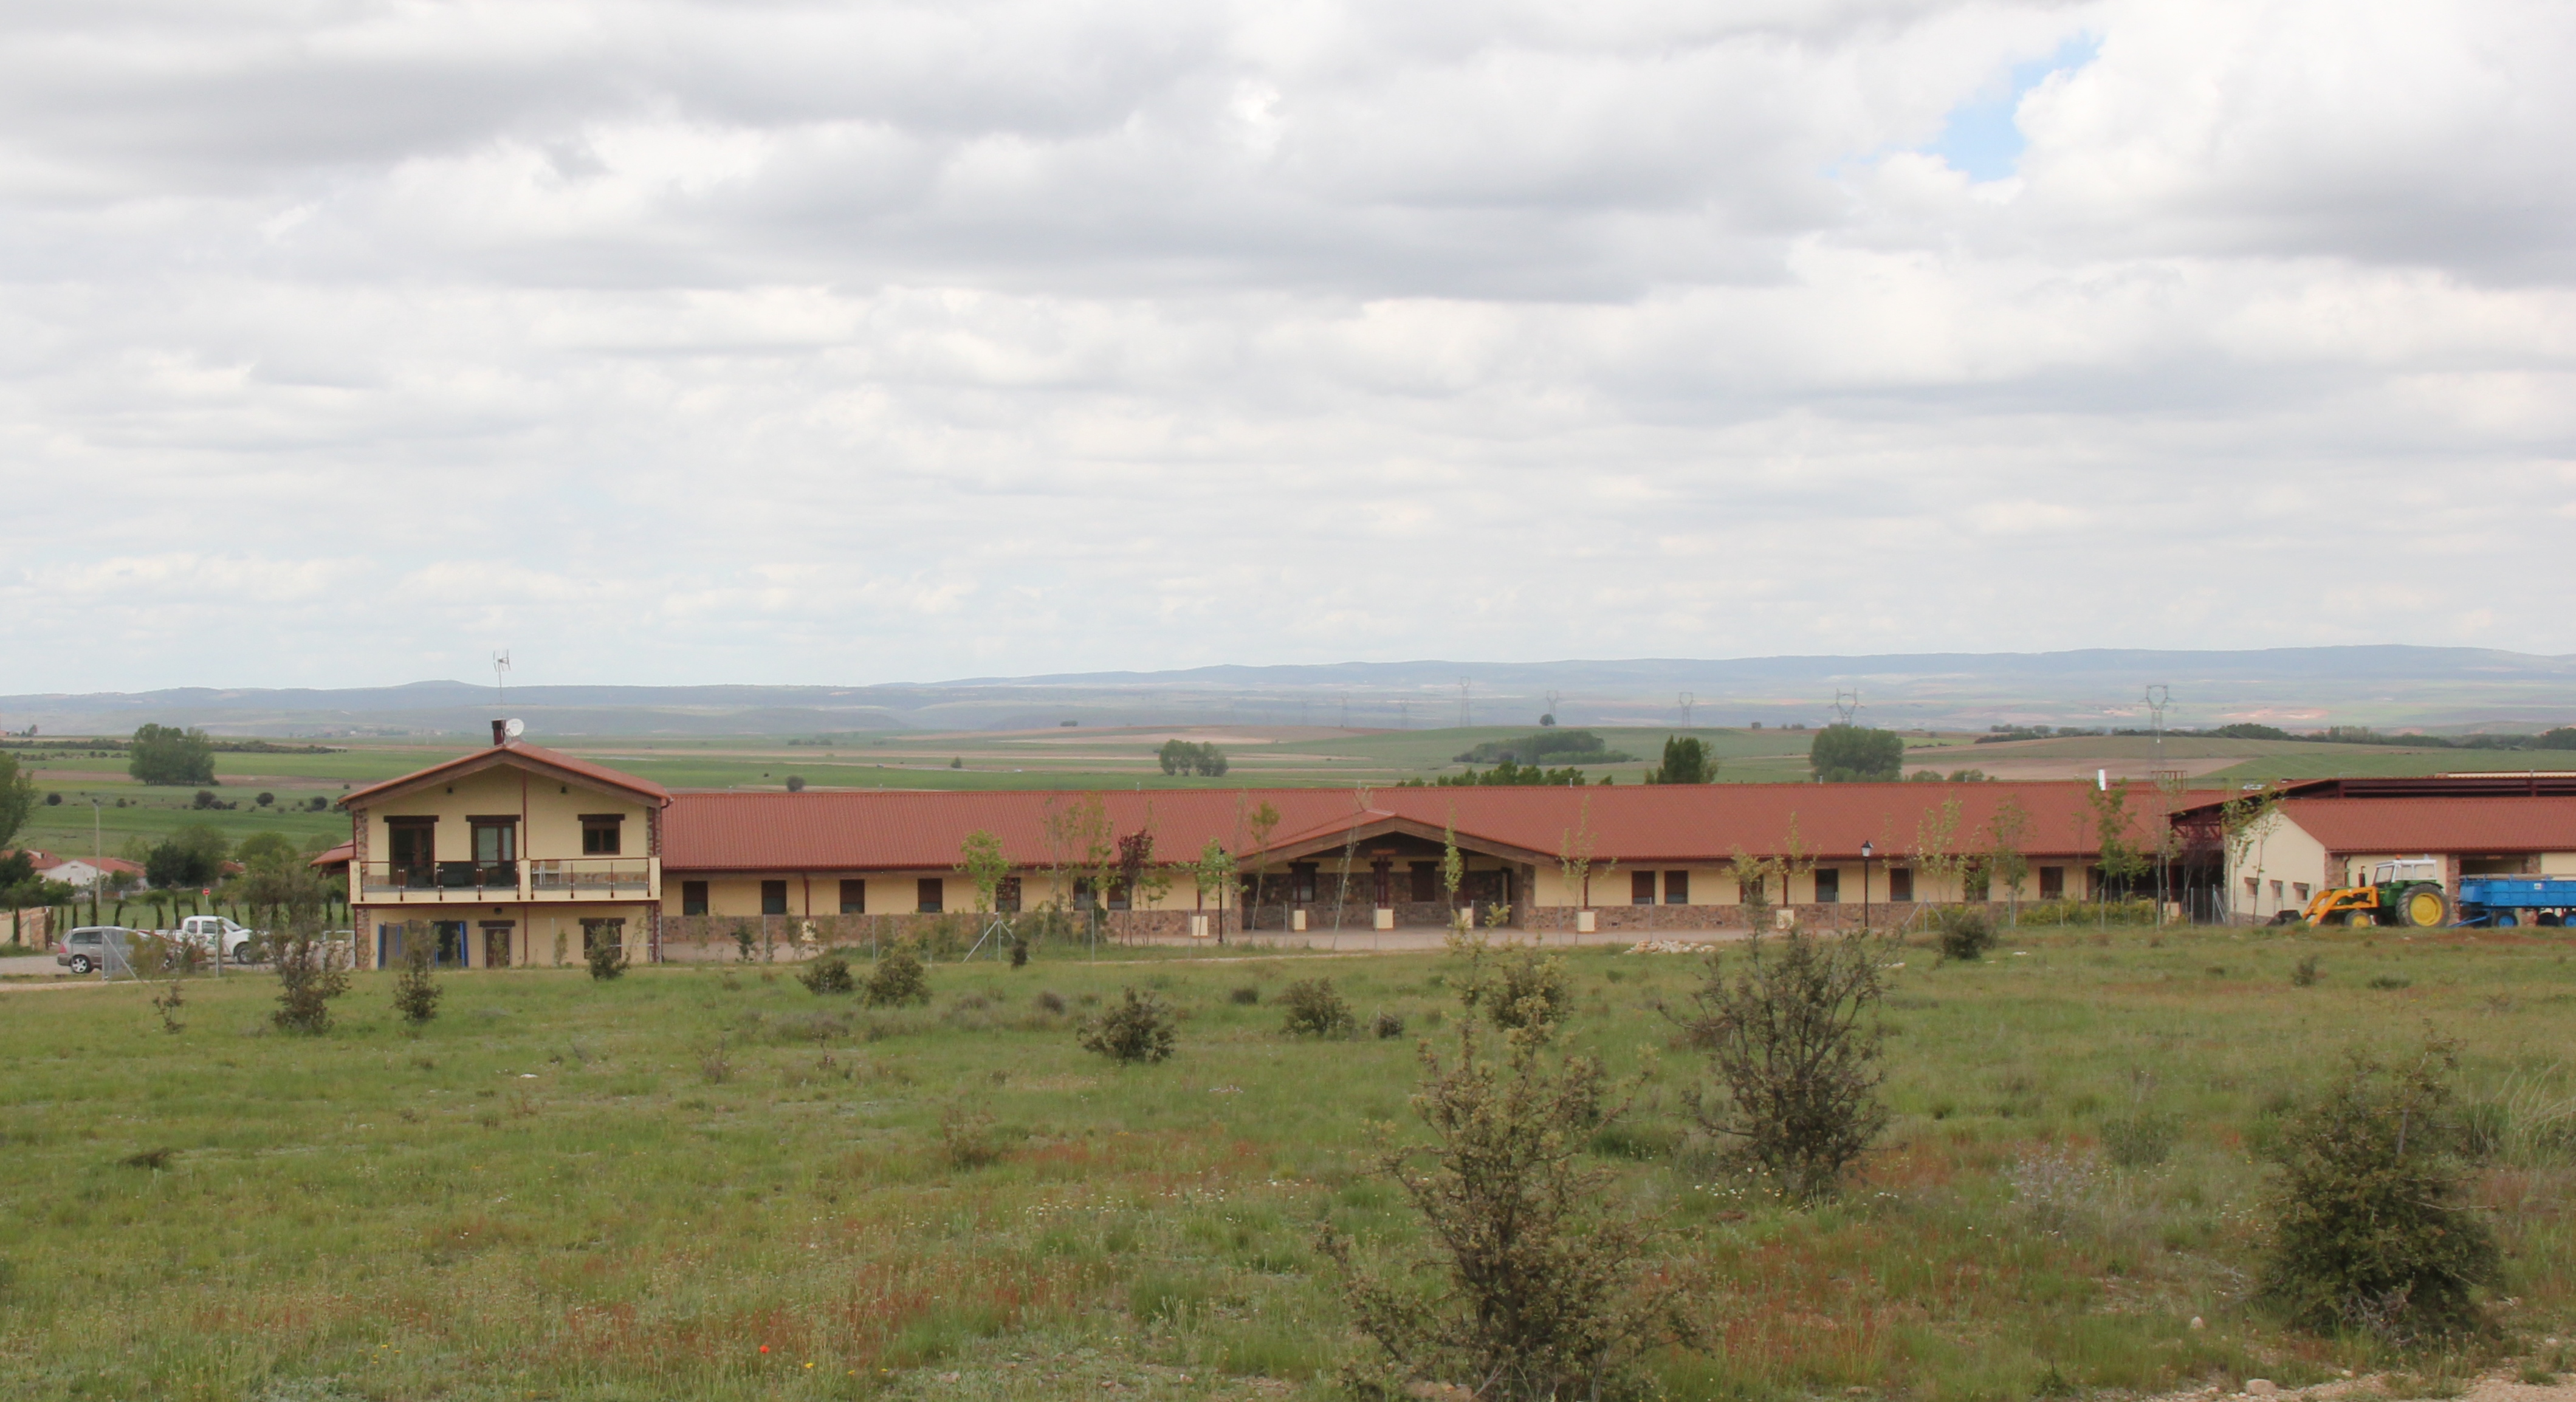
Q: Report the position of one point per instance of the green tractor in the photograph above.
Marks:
(2405, 893)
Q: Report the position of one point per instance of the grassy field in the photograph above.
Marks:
(704, 1182)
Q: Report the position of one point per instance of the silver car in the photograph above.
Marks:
(86, 949)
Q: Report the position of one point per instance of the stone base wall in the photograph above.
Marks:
(709, 939)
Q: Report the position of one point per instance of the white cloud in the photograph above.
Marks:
(670, 341)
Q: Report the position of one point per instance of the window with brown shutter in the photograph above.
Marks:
(854, 895)
(1641, 888)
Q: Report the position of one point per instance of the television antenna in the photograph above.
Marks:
(1688, 701)
(500, 675)
(1847, 704)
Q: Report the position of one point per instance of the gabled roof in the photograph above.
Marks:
(515, 754)
(1702, 823)
(339, 856)
(2401, 825)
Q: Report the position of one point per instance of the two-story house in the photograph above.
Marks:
(510, 855)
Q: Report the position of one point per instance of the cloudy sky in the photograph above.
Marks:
(767, 341)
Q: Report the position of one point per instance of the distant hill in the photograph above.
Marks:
(2388, 686)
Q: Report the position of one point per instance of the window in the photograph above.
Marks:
(932, 895)
(693, 898)
(413, 843)
(600, 833)
(2253, 887)
(1641, 888)
(1975, 888)
(1082, 893)
(854, 895)
(1426, 882)
(1006, 895)
(2301, 889)
(1829, 885)
(1677, 888)
(1118, 899)
(773, 898)
(1900, 883)
(1301, 881)
(2276, 890)
(496, 840)
(2052, 883)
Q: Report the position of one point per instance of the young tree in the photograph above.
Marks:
(1935, 830)
(2122, 861)
(1851, 754)
(416, 993)
(1753, 878)
(1453, 869)
(981, 858)
(2004, 860)
(166, 754)
(1213, 875)
(2246, 823)
(1574, 855)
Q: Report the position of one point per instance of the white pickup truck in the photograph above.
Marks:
(219, 936)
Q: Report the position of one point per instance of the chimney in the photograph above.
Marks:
(499, 735)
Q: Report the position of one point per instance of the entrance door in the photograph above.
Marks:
(451, 942)
(496, 943)
(496, 851)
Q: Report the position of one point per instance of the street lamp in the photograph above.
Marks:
(1866, 851)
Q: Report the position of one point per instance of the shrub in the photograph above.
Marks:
(606, 956)
(2371, 1228)
(744, 939)
(1535, 1286)
(2304, 973)
(1387, 1025)
(1797, 1057)
(829, 973)
(1315, 1009)
(307, 981)
(1519, 987)
(416, 993)
(1964, 934)
(967, 1139)
(1139, 1027)
(1019, 954)
(1246, 995)
(1050, 1001)
(896, 980)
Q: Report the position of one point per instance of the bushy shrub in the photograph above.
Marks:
(2372, 1231)
(307, 981)
(1965, 934)
(416, 993)
(2305, 973)
(1315, 1009)
(1516, 987)
(2140, 1139)
(607, 956)
(1245, 995)
(1019, 954)
(1796, 1050)
(829, 973)
(1050, 1001)
(1387, 1025)
(1534, 1284)
(897, 979)
(1139, 1027)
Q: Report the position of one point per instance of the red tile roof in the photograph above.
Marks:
(534, 756)
(339, 856)
(895, 831)
(2474, 825)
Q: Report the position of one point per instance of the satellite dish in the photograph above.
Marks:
(513, 729)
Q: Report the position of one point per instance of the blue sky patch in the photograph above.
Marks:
(1981, 138)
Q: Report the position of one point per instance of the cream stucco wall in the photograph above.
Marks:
(2280, 858)
(549, 811)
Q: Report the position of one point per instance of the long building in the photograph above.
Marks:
(517, 854)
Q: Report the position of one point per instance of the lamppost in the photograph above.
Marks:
(1866, 851)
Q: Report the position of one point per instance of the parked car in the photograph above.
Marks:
(85, 950)
(220, 937)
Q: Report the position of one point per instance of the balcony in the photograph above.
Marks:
(550, 879)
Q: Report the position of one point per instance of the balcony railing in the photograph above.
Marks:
(548, 879)
(604, 876)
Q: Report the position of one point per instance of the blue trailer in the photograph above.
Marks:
(2501, 902)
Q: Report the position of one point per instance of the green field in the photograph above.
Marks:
(704, 1182)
